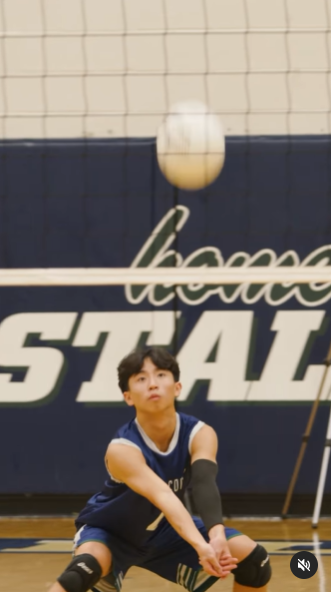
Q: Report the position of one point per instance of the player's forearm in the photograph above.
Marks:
(216, 531)
(180, 519)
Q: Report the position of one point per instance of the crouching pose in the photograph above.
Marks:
(139, 517)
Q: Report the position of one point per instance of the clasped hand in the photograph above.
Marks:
(215, 558)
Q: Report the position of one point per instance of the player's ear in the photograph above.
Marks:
(128, 398)
(178, 389)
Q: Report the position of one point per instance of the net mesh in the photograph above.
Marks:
(93, 68)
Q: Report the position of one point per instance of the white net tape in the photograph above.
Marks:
(154, 276)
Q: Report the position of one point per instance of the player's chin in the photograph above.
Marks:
(154, 404)
(158, 403)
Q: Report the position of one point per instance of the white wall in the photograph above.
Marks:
(109, 68)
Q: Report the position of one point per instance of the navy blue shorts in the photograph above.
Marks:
(166, 555)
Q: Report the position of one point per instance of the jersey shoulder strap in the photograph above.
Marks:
(190, 426)
(128, 435)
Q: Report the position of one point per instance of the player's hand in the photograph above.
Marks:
(224, 557)
(208, 560)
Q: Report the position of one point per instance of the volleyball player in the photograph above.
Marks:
(139, 517)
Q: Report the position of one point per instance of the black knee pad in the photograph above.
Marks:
(81, 574)
(254, 570)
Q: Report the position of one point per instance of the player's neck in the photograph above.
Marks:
(159, 428)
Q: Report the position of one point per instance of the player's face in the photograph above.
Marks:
(152, 388)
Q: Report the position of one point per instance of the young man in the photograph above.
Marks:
(139, 518)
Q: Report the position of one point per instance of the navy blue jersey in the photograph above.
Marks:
(127, 514)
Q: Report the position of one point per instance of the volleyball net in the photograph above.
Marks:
(95, 71)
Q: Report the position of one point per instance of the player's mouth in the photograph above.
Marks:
(154, 397)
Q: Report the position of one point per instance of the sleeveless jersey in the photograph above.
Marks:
(127, 514)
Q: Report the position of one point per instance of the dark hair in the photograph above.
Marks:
(133, 363)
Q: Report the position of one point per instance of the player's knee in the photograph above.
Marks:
(81, 574)
(255, 569)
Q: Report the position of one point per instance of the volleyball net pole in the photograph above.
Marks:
(322, 477)
(304, 443)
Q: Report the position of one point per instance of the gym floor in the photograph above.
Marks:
(34, 551)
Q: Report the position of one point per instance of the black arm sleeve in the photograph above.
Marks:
(205, 493)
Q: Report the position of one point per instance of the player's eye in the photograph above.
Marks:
(141, 378)
(161, 373)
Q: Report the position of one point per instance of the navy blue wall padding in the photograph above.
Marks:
(94, 203)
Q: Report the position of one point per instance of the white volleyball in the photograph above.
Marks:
(190, 146)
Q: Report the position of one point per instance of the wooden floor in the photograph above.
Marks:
(31, 566)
